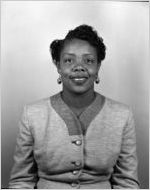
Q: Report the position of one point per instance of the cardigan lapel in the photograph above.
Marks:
(77, 125)
(72, 123)
(92, 110)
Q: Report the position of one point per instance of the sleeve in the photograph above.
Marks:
(24, 171)
(124, 175)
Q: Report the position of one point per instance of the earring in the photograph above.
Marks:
(97, 80)
(59, 81)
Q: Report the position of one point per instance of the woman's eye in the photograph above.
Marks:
(89, 61)
(68, 60)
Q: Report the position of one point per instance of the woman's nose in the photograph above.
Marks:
(78, 68)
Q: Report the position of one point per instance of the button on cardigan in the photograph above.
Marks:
(57, 150)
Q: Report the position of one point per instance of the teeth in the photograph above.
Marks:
(78, 79)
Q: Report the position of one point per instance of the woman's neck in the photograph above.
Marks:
(78, 100)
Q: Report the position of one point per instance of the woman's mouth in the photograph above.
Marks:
(79, 80)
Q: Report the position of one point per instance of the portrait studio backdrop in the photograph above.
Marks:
(28, 73)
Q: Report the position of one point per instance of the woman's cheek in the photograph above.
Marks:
(92, 72)
(65, 78)
(65, 72)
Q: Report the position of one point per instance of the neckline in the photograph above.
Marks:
(73, 122)
(84, 109)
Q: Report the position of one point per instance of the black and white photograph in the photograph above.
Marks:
(74, 94)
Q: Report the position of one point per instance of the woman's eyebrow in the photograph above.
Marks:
(72, 54)
(88, 54)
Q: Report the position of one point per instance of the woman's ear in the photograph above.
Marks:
(58, 67)
(98, 66)
(57, 63)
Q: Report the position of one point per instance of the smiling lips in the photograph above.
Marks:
(79, 79)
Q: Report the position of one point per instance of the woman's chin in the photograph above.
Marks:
(79, 89)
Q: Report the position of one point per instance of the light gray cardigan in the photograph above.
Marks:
(53, 153)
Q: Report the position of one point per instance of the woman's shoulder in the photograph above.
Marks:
(115, 105)
(117, 109)
(40, 104)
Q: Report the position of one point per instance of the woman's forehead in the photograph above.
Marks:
(77, 45)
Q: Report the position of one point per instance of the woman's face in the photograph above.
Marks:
(78, 66)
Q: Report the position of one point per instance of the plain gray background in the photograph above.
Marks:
(28, 73)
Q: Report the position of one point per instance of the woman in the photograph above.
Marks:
(77, 138)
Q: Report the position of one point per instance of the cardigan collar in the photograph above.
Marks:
(77, 125)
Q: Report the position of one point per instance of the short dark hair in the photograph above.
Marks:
(83, 32)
